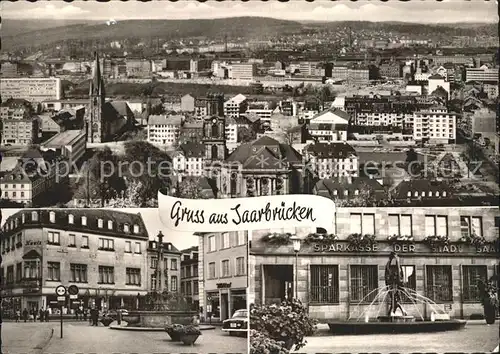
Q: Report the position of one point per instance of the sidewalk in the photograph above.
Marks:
(16, 341)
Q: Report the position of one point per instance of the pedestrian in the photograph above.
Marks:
(41, 314)
(25, 314)
(195, 321)
(77, 310)
(80, 311)
(18, 315)
(85, 313)
(46, 315)
(34, 313)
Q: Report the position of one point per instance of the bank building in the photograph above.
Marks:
(339, 273)
(103, 252)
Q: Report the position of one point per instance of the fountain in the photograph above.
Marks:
(396, 320)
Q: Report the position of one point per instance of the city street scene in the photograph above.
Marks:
(404, 280)
(107, 104)
(119, 283)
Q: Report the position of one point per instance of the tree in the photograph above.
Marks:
(132, 197)
(246, 135)
(190, 188)
(365, 198)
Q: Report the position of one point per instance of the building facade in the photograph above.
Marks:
(100, 251)
(31, 89)
(190, 276)
(339, 279)
(435, 125)
(163, 274)
(18, 126)
(223, 273)
(163, 130)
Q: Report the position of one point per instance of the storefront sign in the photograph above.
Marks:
(487, 249)
(448, 249)
(223, 285)
(404, 248)
(343, 247)
(33, 243)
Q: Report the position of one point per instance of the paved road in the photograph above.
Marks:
(25, 338)
(82, 338)
(473, 338)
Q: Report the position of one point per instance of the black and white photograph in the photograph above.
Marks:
(366, 103)
(115, 281)
(399, 280)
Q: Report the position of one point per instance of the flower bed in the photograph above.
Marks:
(262, 344)
(321, 238)
(287, 323)
(474, 240)
(277, 238)
(359, 240)
(437, 240)
(189, 334)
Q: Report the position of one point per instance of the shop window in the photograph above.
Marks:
(439, 283)
(78, 273)
(364, 280)
(471, 276)
(106, 275)
(133, 276)
(471, 225)
(400, 225)
(436, 225)
(324, 284)
(54, 271)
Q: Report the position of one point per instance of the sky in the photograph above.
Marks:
(424, 11)
(151, 217)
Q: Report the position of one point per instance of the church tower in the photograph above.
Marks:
(95, 129)
(214, 128)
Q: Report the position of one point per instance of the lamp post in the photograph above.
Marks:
(296, 248)
(159, 263)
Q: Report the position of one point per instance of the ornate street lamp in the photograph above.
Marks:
(296, 248)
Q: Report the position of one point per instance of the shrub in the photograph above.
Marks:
(174, 328)
(261, 344)
(288, 321)
(191, 330)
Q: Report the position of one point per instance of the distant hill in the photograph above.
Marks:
(247, 27)
(11, 27)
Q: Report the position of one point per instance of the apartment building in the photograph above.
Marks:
(235, 106)
(231, 127)
(482, 74)
(242, 71)
(223, 273)
(328, 160)
(100, 251)
(190, 276)
(339, 279)
(18, 127)
(163, 130)
(188, 159)
(32, 89)
(435, 125)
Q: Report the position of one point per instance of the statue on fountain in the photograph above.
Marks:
(394, 280)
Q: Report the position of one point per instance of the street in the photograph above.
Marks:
(79, 337)
(475, 337)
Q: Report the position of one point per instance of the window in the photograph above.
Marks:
(71, 219)
(110, 225)
(364, 280)
(100, 223)
(84, 220)
(31, 269)
(173, 283)
(153, 282)
(188, 288)
(10, 274)
(211, 243)
(241, 238)
(85, 242)
(225, 268)
(225, 240)
(106, 244)
(78, 273)
(436, 225)
(128, 246)
(195, 270)
(400, 225)
(137, 247)
(136, 229)
(211, 270)
(363, 224)
(471, 226)
(126, 228)
(325, 284)
(471, 277)
(54, 271)
(133, 276)
(106, 275)
(409, 280)
(53, 238)
(173, 264)
(439, 287)
(195, 287)
(240, 266)
(52, 217)
(72, 240)
(154, 262)
(19, 271)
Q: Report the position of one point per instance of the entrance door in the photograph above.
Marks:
(278, 283)
(224, 307)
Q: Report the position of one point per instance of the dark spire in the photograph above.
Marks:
(97, 84)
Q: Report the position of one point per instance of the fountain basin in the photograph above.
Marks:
(379, 327)
(158, 319)
(396, 319)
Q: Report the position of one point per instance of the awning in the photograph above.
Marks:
(33, 254)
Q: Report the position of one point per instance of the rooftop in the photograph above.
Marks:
(64, 138)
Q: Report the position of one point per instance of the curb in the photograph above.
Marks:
(45, 343)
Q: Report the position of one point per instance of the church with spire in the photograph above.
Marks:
(105, 120)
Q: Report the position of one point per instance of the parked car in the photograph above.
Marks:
(236, 324)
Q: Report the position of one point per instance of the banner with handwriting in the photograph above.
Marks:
(218, 215)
